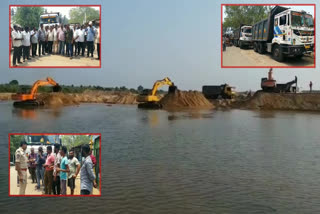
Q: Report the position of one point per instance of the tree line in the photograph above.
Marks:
(236, 15)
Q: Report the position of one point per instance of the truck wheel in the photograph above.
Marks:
(260, 48)
(241, 45)
(277, 54)
(299, 56)
(255, 47)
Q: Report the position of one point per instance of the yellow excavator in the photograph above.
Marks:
(25, 100)
(149, 99)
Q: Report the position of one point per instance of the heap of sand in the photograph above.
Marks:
(283, 101)
(106, 97)
(185, 99)
(57, 99)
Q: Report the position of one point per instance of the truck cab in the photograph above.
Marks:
(245, 36)
(296, 30)
(50, 19)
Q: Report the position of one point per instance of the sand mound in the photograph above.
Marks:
(185, 99)
(57, 99)
(106, 97)
(275, 101)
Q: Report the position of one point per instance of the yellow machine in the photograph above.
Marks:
(149, 99)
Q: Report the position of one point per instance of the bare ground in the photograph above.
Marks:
(234, 56)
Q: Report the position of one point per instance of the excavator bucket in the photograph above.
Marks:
(57, 88)
(172, 89)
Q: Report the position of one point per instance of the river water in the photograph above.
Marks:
(189, 162)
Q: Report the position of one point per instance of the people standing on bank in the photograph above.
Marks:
(21, 164)
(42, 40)
(48, 174)
(61, 38)
(46, 44)
(90, 39)
(26, 44)
(79, 36)
(87, 177)
(74, 167)
(50, 39)
(32, 165)
(56, 174)
(310, 86)
(69, 41)
(34, 41)
(16, 42)
(64, 169)
(76, 40)
(41, 159)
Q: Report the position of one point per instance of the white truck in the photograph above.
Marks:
(286, 32)
(49, 19)
(242, 36)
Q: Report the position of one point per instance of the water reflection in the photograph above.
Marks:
(190, 115)
(35, 113)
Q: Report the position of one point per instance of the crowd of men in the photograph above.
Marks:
(60, 40)
(56, 169)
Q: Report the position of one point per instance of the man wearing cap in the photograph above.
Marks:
(22, 166)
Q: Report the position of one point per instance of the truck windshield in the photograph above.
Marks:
(48, 20)
(309, 20)
(247, 30)
(297, 19)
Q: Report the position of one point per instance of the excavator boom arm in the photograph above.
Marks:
(159, 83)
(37, 84)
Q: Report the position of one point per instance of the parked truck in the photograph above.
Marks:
(286, 32)
(216, 91)
(242, 36)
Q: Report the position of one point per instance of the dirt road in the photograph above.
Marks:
(234, 56)
(57, 60)
(30, 190)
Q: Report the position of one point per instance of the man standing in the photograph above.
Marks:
(34, 41)
(97, 41)
(48, 174)
(32, 165)
(74, 167)
(90, 38)
(79, 36)
(69, 41)
(64, 169)
(26, 44)
(55, 40)
(61, 38)
(50, 39)
(310, 85)
(42, 40)
(56, 174)
(93, 159)
(16, 42)
(87, 177)
(21, 167)
(41, 159)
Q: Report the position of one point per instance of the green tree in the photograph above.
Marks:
(140, 88)
(75, 140)
(28, 16)
(15, 143)
(14, 82)
(236, 15)
(79, 14)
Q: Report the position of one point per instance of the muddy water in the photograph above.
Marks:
(192, 162)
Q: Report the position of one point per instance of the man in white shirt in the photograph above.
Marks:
(76, 40)
(80, 38)
(97, 41)
(34, 41)
(26, 44)
(16, 43)
(50, 39)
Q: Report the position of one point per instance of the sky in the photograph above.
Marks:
(146, 40)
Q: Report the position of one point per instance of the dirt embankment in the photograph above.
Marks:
(185, 99)
(5, 96)
(106, 97)
(57, 99)
(278, 101)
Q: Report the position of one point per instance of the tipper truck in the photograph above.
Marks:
(286, 32)
(242, 36)
(215, 91)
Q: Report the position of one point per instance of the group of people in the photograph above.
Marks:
(61, 40)
(56, 169)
